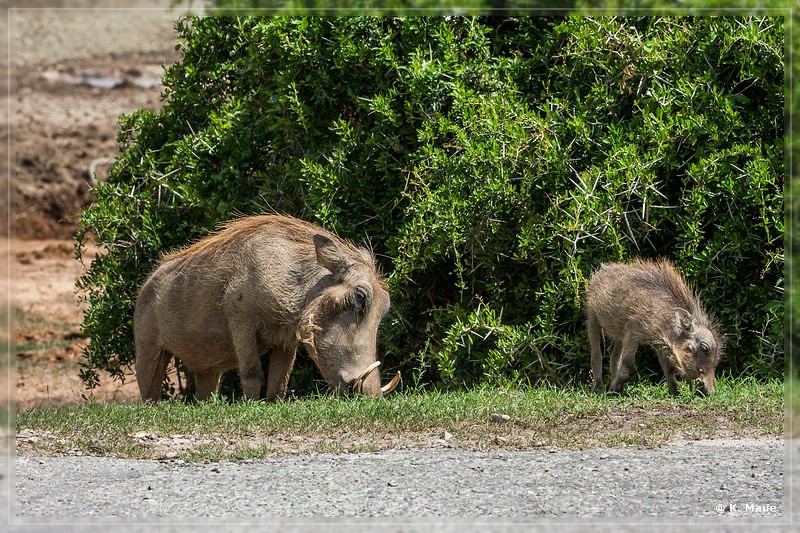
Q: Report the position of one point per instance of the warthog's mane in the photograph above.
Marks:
(232, 233)
(662, 274)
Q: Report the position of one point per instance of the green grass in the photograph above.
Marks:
(543, 416)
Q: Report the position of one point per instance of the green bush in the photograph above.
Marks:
(382, 7)
(493, 163)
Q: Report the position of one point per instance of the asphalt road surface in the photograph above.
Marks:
(718, 484)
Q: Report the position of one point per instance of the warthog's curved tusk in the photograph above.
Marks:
(359, 382)
(389, 387)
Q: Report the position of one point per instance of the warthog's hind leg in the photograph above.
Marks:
(627, 358)
(595, 342)
(151, 367)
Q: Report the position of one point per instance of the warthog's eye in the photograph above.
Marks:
(360, 297)
(703, 348)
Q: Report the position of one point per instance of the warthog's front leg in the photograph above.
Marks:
(669, 372)
(250, 372)
(206, 383)
(281, 362)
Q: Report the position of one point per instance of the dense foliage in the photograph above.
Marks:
(493, 163)
(380, 7)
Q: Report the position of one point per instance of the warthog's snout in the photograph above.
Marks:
(708, 381)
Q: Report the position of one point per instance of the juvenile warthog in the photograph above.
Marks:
(263, 282)
(648, 302)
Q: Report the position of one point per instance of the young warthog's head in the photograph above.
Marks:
(699, 348)
(340, 323)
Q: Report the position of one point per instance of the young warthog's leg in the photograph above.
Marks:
(250, 371)
(616, 351)
(627, 358)
(669, 372)
(206, 383)
(281, 362)
(595, 343)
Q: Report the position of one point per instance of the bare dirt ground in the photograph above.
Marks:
(73, 72)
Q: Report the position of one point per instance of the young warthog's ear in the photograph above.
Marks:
(330, 255)
(682, 321)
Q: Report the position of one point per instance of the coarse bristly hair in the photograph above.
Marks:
(234, 231)
(672, 282)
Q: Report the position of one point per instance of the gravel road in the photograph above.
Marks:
(717, 482)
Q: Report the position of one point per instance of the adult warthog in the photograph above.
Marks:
(262, 283)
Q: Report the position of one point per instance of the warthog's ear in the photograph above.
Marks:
(682, 321)
(367, 255)
(330, 255)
